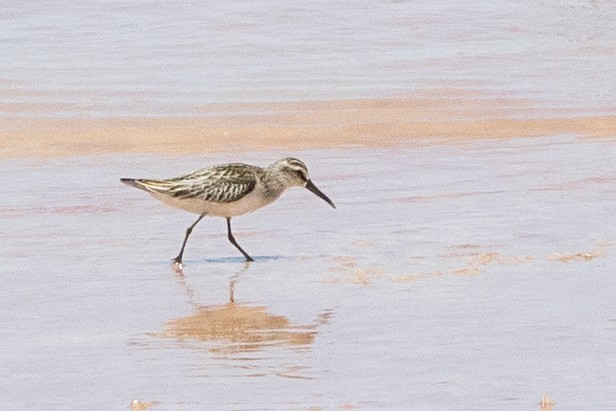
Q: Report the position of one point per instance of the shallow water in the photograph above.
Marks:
(471, 276)
(169, 58)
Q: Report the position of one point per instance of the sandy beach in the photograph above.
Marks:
(439, 116)
(469, 263)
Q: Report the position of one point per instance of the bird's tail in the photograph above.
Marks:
(146, 185)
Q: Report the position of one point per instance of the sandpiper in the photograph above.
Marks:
(228, 190)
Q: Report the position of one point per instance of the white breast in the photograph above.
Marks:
(246, 204)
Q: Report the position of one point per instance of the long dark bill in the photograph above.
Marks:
(310, 186)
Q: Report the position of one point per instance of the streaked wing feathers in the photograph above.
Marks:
(221, 184)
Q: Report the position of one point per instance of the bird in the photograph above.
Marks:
(228, 190)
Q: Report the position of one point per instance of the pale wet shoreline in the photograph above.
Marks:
(483, 281)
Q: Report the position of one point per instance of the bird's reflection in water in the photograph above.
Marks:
(235, 328)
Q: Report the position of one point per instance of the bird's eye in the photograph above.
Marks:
(301, 175)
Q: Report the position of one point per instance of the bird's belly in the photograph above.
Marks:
(246, 204)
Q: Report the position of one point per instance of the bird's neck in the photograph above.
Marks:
(274, 183)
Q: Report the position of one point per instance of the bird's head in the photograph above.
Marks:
(294, 173)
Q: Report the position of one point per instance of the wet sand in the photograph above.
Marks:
(476, 275)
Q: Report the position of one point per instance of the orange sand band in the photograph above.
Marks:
(327, 124)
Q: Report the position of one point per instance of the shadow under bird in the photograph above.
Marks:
(228, 190)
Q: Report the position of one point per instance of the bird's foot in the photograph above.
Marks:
(177, 264)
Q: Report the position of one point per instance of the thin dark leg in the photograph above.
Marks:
(178, 259)
(232, 239)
